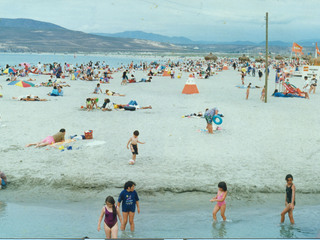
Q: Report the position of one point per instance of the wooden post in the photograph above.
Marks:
(266, 73)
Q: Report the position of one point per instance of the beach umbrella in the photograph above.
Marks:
(244, 58)
(74, 75)
(278, 57)
(10, 70)
(25, 64)
(211, 57)
(260, 59)
(23, 84)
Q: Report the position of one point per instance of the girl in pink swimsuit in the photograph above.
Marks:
(110, 212)
(220, 199)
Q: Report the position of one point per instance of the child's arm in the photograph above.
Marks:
(129, 143)
(214, 199)
(100, 219)
(118, 212)
(138, 207)
(140, 142)
(293, 196)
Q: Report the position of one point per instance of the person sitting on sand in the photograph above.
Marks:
(110, 93)
(106, 106)
(97, 89)
(94, 102)
(58, 137)
(3, 180)
(89, 104)
(55, 92)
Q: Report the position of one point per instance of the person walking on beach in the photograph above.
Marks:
(290, 199)
(248, 91)
(133, 141)
(58, 137)
(242, 77)
(124, 78)
(313, 84)
(260, 74)
(220, 199)
(110, 212)
(129, 198)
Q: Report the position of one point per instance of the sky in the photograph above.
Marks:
(206, 20)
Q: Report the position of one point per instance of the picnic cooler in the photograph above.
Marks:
(88, 134)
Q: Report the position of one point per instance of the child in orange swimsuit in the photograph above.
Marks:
(220, 199)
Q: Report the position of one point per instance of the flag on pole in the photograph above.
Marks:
(296, 48)
(317, 49)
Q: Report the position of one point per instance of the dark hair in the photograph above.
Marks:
(128, 184)
(305, 77)
(62, 130)
(136, 133)
(110, 200)
(249, 85)
(222, 185)
(88, 99)
(107, 100)
(289, 176)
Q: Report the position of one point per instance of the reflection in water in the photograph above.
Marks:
(2, 208)
(219, 229)
(287, 231)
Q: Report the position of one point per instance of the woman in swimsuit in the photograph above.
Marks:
(110, 212)
(290, 199)
(220, 199)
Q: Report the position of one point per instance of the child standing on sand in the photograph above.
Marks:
(133, 141)
(110, 212)
(220, 199)
(290, 199)
(248, 91)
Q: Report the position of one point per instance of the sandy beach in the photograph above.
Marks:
(257, 146)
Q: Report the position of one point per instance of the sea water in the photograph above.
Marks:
(114, 60)
(187, 215)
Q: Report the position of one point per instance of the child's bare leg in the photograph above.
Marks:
(125, 220)
(222, 211)
(107, 230)
(131, 222)
(214, 213)
(114, 231)
(290, 214)
(285, 210)
(134, 156)
(31, 144)
(210, 129)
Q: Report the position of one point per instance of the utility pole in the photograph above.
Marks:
(266, 73)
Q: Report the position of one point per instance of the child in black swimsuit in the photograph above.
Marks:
(290, 199)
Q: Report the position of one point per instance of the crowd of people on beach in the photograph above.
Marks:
(102, 73)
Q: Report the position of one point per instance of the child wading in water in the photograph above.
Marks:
(290, 199)
(129, 198)
(134, 146)
(220, 199)
(110, 212)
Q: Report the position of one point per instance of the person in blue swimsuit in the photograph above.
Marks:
(290, 199)
(129, 198)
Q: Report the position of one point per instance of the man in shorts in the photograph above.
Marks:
(58, 137)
